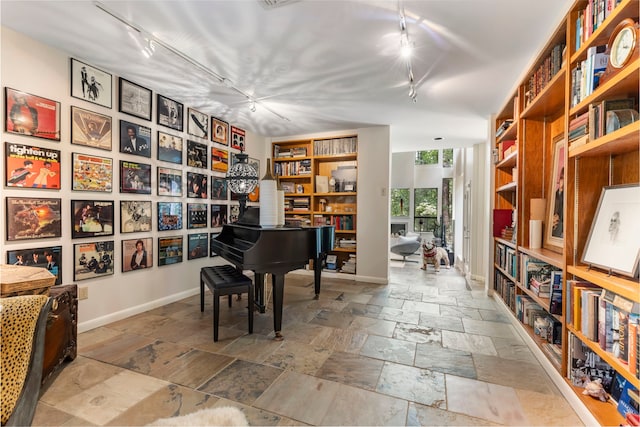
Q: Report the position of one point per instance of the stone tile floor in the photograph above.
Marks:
(427, 349)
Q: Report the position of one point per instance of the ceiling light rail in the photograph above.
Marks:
(406, 49)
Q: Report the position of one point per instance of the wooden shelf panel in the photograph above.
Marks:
(622, 286)
(539, 341)
(346, 231)
(507, 188)
(510, 133)
(507, 275)
(336, 157)
(550, 101)
(606, 413)
(508, 162)
(543, 302)
(505, 242)
(334, 213)
(623, 140)
(297, 212)
(308, 176)
(545, 255)
(349, 250)
(344, 193)
(291, 159)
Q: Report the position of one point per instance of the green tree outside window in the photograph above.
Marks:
(399, 202)
(429, 157)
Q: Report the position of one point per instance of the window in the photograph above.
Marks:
(425, 211)
(447, 158)
(399, 202)
(429, 157)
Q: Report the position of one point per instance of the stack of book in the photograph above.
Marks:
(545, 72)
(349, 266)
(347, 243)
(579, 130)
(503, 127)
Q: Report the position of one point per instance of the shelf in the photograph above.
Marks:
(291, 159)
(505, 242)
(545, 255)
(346, 231)
(539, 341)
(550, 100)
(297, 194)
(336, 194)
(297, 212)
(543, 302)
(613, 361)
(308, 176)
(508, 162)
(624, 287)
(334, 213)
(606, 413)
(507, 188)
(349, 250)
(337, 157)
(510, 133)
(507, 275)
(623, 140)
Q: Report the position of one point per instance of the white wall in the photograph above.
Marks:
(38, 69)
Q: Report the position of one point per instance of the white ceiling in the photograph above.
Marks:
(324, 65)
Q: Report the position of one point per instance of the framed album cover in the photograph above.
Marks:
(91, 173)
(218, 215)
(135, 177)
(29, 218)
(169, 182)
(219, 188)
(91, 218)
(197, 185)
(219, 131)
(170, 113)
(135, 216)
(196, 154)
(197, 245)
(31, 115)
(169, 216)
(169, 148)
(134, 99)
(92, 260)
(49, 257)
(135, 139)
(237, 138)
(219, 160)
(197, 215)
(28, 166)
(90, 83)
(169, 250)
(212, 251)
(90, 129)
(137, 254)
(197, 123)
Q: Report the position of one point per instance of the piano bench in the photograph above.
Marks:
(225, 280)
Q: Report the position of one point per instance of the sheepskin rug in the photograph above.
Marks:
(223, 416)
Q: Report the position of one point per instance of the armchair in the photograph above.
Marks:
(407, 246)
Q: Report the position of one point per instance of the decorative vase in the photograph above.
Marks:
(280, 202)
(268, 198)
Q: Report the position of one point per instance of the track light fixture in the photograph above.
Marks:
(406, 49)
(252, 106)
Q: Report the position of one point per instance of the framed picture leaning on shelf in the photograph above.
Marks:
(614, 238)
(554, 232)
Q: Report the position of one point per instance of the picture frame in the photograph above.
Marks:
(219, 188)
(91, 84)
(212, 251)
(219, 131)
(135, 216)
(219, 160)
(135, 178)
(196, 154)
(197, 245)
(554, 227)
(91, 218)
(39, 257)
(170, 113)
(134, 99)
(93, 260)
(234, 213)
(613, 239)
(197, 215)
(132, 259)
(197, 185)
(218, 215)
(169, 250)
(28, 166)
(91, 173)
(197, 123)
(169, 216)
(169, 148)
(238, 138)
(31, 218)
(91, 129)
(31, 115)
(135, 139)
(169, 182)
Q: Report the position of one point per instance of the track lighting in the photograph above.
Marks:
(252, 106)
(149, 48)
(406, 49)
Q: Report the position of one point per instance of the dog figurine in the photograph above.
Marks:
(433, 254)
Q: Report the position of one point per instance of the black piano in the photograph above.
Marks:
(274, 251)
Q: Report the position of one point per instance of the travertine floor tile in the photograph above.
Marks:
(351, 369)
(413, 384)
(389, 349)
(446, 360)
(300, 357)
(417, 333)
(468, 342)
(422, 415)
(490, 329)
(513, 373)
(545, 410)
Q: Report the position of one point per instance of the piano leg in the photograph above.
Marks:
(259, 290)
(317, 272)
(278, 300)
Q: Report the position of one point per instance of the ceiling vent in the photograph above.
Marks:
(272, 4)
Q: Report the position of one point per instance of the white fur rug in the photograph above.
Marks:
(223, 416)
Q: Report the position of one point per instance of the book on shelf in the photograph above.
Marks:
(629, 401)
(322, 184)
(585, 365)
(503, 127)
(332, 262)
(299, 152)
(555, 300)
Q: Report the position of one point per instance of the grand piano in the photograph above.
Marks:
(274, 251)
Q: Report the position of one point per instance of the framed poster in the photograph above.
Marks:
(197, 185)
(196, 154)
(170, 113)
(554, 230)
(234, 212)
(219, 160)
(197, 123)
(169, 250)
(169, 216)
(237, 138)
(49, 257)
(169, 148)
(169, 182)
(197, 245)
(134, 99)
(219, 131)
(29, 218)
(135, 177)
(31, 115)
(90, 129)
(91, 218)
(613, 242)
(219, 189)
(32, 167)
(212, 251)
(218, 215)
(137, 254)
(197, 215)
(135, 139)
(92, 260)
(91, 173)
(90, 83)
(135, 216)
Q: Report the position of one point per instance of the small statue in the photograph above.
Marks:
(594, 389)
